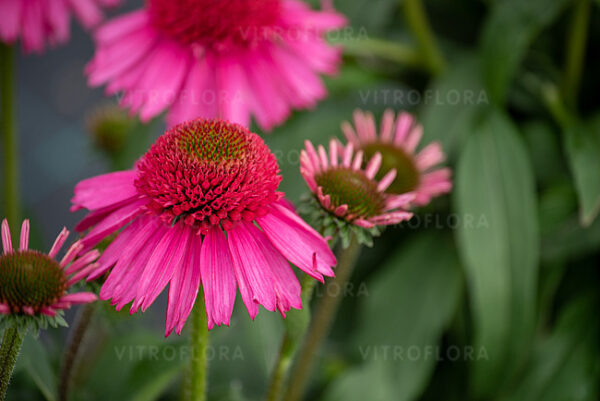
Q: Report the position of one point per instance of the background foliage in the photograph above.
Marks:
(507, 266)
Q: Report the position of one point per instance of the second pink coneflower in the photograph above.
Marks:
(228, 59)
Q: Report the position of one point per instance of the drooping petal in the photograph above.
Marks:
(184, 285)
(298, 242)
(252, 271)
(218, 277)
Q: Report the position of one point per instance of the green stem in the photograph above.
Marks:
(196, 380)
(418, 23)
(82, 322)
(386, 50)
(9, 351)
(322, 321)
(294, 334)
(10, 156)
(576, 42)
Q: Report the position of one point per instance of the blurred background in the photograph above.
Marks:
(490, 293)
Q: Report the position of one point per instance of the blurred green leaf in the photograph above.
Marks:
(410, 304)
(34, 359)
(138, 366)
(508, 32)
(582, 142)
(452, 104)
(566, 364)
(495, 190)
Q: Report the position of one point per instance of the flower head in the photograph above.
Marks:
(229, 59)
(39, 21)
(349, 192)
(35, 284)
(416, 172)
(200, 208)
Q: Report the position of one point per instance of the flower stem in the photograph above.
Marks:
(322, 321)
(84, 317)
(387, 50)
(418, 23)
(576, 42)
(10, 156)
(195, 383)
(296, 325)
(9, 350)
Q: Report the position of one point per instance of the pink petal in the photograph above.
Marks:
(79, 298)
(161, 266)
(24, 243)
(184, 285)
(298, 242)
(252, 270)
(218, 277)
(113, 222)
(58, 242)
(104, 190)
(6, 239)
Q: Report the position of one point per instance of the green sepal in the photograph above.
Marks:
(337, 228)
(32, 324)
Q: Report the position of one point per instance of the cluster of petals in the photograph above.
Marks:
(250, 254)
(74, 267)
(314, 162)
(404, 133)
(199, 58)
(37, 22)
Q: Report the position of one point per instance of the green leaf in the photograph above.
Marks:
(582, 142)
(508, 32)
(410, 304)
(34, 359)
(138, 366)
(495, 192)
(565, 365)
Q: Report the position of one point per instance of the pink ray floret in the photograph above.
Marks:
(37, 22)
(17, 287)
(200, 210)
(230, 59)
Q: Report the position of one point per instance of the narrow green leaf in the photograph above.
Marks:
(495, 192)
(410, 304)
(35, 361)
(508, 32)
(565, 364)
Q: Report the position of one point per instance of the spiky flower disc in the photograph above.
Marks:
(34, 284)
(347, 191)
(209, 173)
(397, 143)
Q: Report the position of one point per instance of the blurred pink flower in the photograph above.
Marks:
(39, 21)
(397, 142)
(350, 192)
(34, 283)
(200, 208)
(228, 59)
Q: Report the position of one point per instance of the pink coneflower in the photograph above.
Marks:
(228, 59)
(350, 192)
(201, 208)
(39, 21)
(35, 283)
(397, 143)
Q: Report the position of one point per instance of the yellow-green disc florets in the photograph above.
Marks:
(30, 279)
